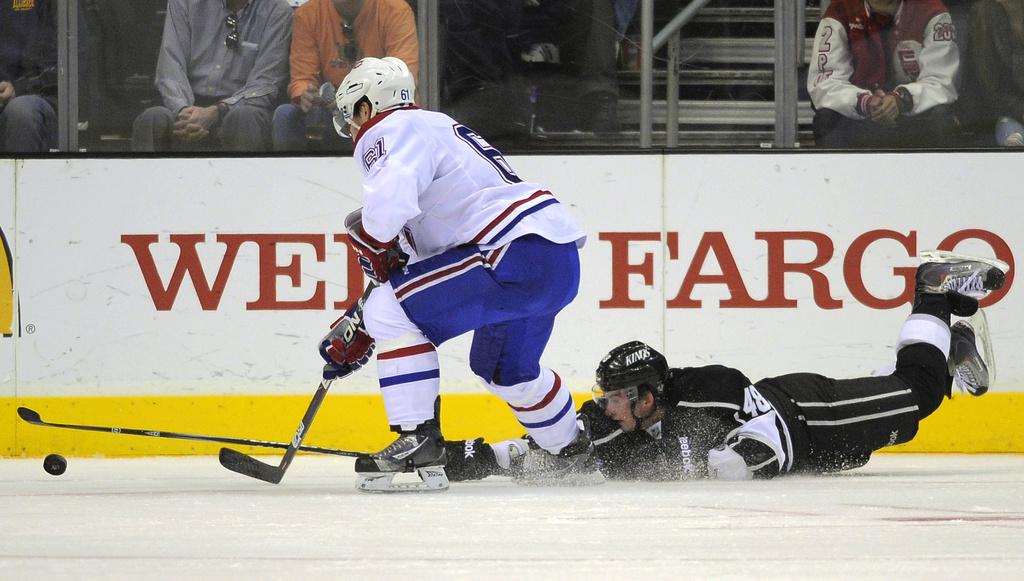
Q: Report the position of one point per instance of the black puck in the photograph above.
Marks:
(55, 464)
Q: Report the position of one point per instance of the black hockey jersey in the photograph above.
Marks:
(783, 424)
(704, 408)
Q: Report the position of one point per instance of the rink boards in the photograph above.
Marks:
(189, 295)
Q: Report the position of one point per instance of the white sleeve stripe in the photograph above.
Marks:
(787, 444)
(777, 453)
(825, 404)
(708, 404)
(864, 418)
(770, 430)
(763, 464)
(608, 438)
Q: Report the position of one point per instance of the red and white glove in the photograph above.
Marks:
(348, 346)
(377, 258)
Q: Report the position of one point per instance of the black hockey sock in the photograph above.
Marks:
(932, 304)
(923, 368)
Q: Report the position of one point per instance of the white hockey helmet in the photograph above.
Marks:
(386, 83)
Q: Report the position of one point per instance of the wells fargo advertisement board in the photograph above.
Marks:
(189, 295)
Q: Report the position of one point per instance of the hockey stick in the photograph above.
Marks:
(247, 465)
(32, 417)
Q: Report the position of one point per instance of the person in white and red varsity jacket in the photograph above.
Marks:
(884, 74)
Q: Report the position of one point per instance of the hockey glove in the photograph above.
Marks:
(474, 460)
(348, 346)
(725, 464)
(470, 460)
(377, 258)
(743, 458)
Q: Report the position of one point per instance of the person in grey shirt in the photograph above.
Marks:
(221, 68)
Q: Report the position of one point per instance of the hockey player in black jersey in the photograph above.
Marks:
(652, 422)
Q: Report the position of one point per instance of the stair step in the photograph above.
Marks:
(719, 77)
(687, 138)
(715, 112)
(734, 50)
(736, 14)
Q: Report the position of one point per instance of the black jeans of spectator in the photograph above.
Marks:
(935, 128)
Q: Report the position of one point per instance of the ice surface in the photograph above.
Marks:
(899, 517)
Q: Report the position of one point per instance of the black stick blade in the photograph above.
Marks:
(248, 466)
(30, 416)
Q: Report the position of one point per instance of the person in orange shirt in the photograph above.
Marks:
(328, 37)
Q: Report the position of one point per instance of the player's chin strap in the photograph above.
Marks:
(638, 419)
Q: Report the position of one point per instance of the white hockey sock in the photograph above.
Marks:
(921, 328)
(410, 379)
(544, 407)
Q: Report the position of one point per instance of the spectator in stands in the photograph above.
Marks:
(583, 36)
(328, 37)
(28, 76)
(511, 63)
(624, 12)
(480, 75)
(884, 75)
(221, 68)
(996, 63)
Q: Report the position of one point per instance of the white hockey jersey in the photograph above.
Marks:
(441, 185)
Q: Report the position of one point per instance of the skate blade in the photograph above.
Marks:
(431, 479)
(945, 257)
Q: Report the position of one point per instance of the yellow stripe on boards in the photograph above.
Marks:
(357, 422)
(990, 423)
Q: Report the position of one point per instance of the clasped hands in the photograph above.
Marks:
(194, 123)
(883, 108)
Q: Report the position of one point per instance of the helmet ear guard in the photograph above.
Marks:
(342, 121)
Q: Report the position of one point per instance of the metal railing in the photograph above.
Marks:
(67, 75)
(788, 57)
(428, 29)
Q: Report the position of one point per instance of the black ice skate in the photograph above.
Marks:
(574, 465)
(420, 450)
(964, 279)
(965, 362)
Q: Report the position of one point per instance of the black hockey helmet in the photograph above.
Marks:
(633, 366)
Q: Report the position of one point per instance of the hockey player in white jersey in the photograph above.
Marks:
(458, 242)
